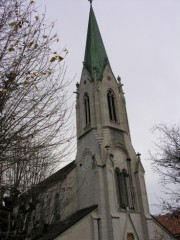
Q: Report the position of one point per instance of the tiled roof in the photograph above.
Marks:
(54, 230)
(171, 221)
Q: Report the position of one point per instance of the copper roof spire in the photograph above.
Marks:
(95, 53)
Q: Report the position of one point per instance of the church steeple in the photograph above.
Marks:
(95, 54)
(100, 99)
(109, 173)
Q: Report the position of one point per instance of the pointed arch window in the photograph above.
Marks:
(87, 109)
(112, 105)
(56, 207)
(122, 179)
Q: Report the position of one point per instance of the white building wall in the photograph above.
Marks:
(82, 230)
(95, 174)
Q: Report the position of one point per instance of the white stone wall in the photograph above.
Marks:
(82, 230)
(127, 223)
(96, 163)
(88, 148)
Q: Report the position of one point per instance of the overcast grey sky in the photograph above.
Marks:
(142, 40)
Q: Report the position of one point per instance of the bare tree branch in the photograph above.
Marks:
(166, 162)
(35, 131)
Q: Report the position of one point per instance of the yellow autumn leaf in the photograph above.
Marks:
(11, 49)
(52, 59)
(13, 24)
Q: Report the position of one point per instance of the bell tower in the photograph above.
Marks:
(100, 101)
(109, 172)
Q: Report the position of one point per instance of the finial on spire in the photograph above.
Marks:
(90, 1)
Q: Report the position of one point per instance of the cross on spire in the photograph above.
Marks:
(90, 1)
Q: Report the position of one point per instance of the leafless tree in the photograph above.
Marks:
(34, 115)
(166, 162)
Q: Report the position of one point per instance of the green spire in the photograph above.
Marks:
(95, 53)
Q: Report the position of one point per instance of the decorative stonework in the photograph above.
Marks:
(119, 158)
(87, 160)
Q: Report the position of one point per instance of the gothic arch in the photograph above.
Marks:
(119, 146)
(87, 109)
(121, 188)
(119, 156)
(112, 105)
(124, 194)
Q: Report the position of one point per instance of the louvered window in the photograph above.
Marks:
(112, 105)
(87, 109)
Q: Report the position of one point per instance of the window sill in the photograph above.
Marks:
(114, 123)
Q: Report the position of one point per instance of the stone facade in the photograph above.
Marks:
(104, 192)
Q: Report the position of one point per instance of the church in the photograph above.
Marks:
(102, 194)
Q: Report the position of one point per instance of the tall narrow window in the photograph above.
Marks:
(87, 109)
(56, 207)
(42, 217)
(112, 105)
(119, 185)
(122, 188)
(125, 202)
